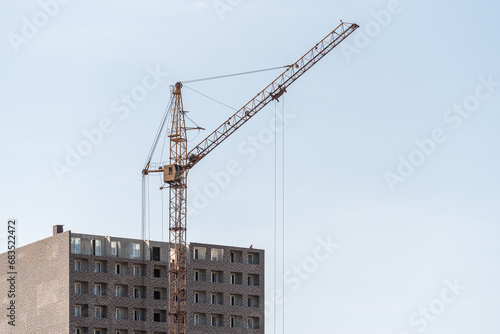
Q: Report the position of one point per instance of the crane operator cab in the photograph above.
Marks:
(172, 173)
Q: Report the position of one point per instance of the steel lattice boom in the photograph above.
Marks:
(272, 92)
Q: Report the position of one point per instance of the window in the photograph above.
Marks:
(157, 294)
(235, 321)
(216, 320)
(135, 250)
(253, 279)
(78, 310)
(253, 258)
(96, 245)
(253, 323)
(98, 312)
(196, 297)
(100, 266)
(216, 254)
(197, 275)
(78, 265)
(216, 298)
(78, 288)
(138, 270)
(121, 290)
(139, 315)
(216, 277)
(139, 292)
(76, 246)
(121, 313)
(235, 256)
(235, 300)
(99, 289)
(253, 301)
(199, 253)
(114, 248)
(235, 278)
(99, 331)
(199, 318)
(121, 268)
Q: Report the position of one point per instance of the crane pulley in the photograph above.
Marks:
(182, 160)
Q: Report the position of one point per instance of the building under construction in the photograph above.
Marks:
(89, 284)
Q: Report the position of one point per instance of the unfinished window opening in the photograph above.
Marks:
(160, 316)
(160, 293)
(160, 271)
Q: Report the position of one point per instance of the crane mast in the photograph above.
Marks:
(181, 161)
(177, 217)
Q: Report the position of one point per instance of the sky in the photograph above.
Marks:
(391, 187)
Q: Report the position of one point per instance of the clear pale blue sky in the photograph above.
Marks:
(355, 116)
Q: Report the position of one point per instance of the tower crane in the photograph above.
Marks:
(182, 161)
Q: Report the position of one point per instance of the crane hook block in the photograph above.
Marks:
(172, 173)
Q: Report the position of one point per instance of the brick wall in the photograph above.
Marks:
(42, 296)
